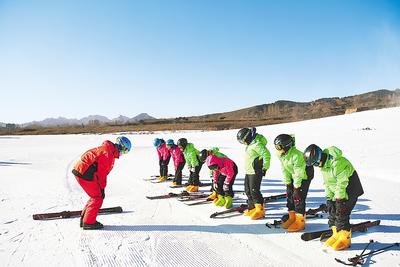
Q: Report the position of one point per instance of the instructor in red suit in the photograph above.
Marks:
(91, 173)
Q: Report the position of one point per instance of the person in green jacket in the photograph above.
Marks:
(202, 157)
(297, 178)
(342, 189)
(191, 155)
(257, 161)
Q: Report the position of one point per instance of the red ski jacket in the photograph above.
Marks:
(97, 163)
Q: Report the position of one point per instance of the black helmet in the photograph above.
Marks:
(244, 136)
(284, 142)
(182, 142)
(313, 155)
(203, 155)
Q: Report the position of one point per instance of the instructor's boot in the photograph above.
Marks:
(343, 241)
(331, 240)
(290, 220)
(212, 196)
(258, 213)
(220, 201)
(92, 226)
(228, 202)
(298, 224)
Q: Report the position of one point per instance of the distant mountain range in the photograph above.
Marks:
(281, 111)
(91, 119)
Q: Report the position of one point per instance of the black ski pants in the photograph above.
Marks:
(194, 177)
(339, 212)
(252, 184)
(164, 167)
(300, 206)
(226, 190)
(178, 173)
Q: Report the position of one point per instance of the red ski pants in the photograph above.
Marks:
(95, 201)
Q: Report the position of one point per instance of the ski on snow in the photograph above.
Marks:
(243, 207)
(310, 213)
(183, 185)
(69, 214)
(174, 195)
(359, 227)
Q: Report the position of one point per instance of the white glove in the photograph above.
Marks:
(226, 187)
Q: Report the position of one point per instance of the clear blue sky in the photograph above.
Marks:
(189, 57)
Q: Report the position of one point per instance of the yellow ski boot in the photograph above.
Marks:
(290, 220)
(331, 240)
(298, 224)
(343, 241)
(258, 213)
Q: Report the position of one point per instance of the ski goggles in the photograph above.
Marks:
(279, 147)
(243, 142)
(122, 150)
(318, 159)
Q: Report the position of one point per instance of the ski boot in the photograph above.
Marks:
(212, 196)
(162, 179)
(228, 202)
(290, 220)
(92, 226)
(248, 212)
(331, 240)
(343, 241)
(298, 224)
(192, 188)
(258, 213)
(220, 201)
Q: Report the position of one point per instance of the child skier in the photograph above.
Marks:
(191, 155)
(202, 157)
(257, 161)
(297, 178)
(225, 171)
(163, 158)
(342, 189)
(91, 173)
(179, 161)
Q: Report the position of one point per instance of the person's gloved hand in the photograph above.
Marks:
(226, 187)
(341, 208)
(215, 184)
(264, 171)
(103, 194)
(297, 195)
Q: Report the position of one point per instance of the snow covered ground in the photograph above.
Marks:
(35, 177)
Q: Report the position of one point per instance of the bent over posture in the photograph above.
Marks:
(342, 189)
(297, 178)
(91, 173)
(257, 161)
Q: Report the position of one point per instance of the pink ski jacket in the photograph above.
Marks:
(225, 167)
(163, 152)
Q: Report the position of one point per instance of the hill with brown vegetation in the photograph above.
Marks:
(278, 112)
